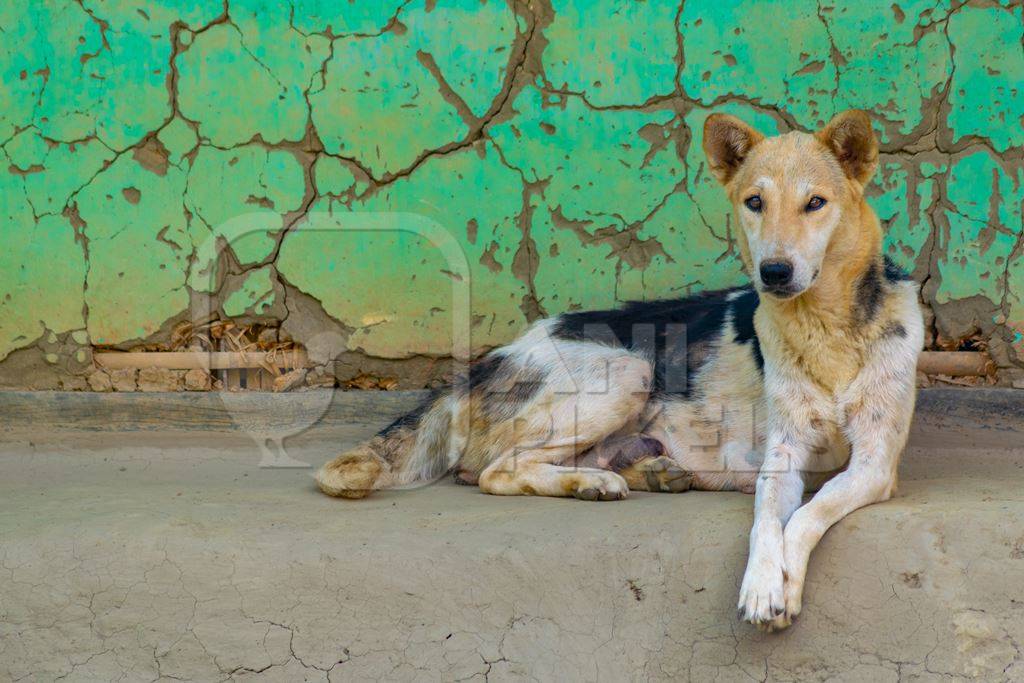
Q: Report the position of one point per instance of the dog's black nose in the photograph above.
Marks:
(776, 273)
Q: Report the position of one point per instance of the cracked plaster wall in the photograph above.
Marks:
(170, 156)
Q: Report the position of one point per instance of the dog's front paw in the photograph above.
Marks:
(794, 599)
(763, 592)
(796, 570)
(599, 485)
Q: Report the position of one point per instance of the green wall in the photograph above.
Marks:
(175, 154)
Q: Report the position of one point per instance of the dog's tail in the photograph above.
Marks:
(416, 447)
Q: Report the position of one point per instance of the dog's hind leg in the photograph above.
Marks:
(557, 427)
(532, 473)
(417, 447)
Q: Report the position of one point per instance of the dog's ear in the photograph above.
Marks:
(849, 136)
(727, 142)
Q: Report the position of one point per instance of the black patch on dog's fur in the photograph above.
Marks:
(674, 329)
(504, 403)
(894, 273)
(411, 419)
(503, 386)
(480, 373)
(743, 308)
(869, 293)
(482, 370)
(894, 329)
(871, 288)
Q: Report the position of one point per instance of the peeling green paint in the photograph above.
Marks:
(379, 100)
(236, 198)
(178, 138)
(338, 254)
(234, 94)
(152, 156)
(984, 228)
(904, 207)
(626, 169)
(590, 47)
(333, 177)
(464, 195)
(986, 96)
(738, 48)
(43, 270)
(48, 193)
(892, 63)
(138, 250)
(256, 294)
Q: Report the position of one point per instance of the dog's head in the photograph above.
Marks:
(793, 194)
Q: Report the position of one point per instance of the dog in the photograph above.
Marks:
(804, 381)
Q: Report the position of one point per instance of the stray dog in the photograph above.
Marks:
(804, 381)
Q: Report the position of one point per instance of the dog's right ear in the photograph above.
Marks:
(727, 142)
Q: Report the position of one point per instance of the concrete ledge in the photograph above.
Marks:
(996, 409)
(199, 411)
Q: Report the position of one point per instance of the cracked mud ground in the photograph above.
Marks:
(169, 556)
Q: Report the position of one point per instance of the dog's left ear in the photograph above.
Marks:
(849, 136)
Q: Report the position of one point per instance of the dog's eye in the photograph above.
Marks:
(815, 203)
(753, 203)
